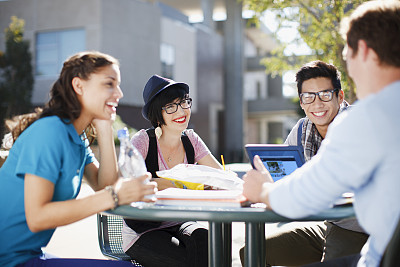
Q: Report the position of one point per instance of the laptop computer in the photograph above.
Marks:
(280, 160)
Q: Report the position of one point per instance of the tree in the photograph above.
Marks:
(318, 23)
(16, 78)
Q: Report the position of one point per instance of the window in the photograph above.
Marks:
(258, 89)
(289, 84)
(275, 132)
(53, 48)
(167, 54)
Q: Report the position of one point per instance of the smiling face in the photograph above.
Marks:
(99, 95)
(178, 120)
(319, 112)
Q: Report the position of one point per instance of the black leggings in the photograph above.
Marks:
(183, 245)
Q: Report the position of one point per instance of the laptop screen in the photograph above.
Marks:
(280, 160)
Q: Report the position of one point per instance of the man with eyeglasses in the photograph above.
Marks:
(360, 151)
(292, 244)
(321, 98)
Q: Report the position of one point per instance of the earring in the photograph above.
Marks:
(158, 132)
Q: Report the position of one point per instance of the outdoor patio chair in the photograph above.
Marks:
(110, 238)
(391, 257)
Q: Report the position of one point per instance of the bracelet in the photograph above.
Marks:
(113, 195)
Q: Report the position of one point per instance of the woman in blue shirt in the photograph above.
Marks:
(49, 153)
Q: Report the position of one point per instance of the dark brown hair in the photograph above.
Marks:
(378, 24)
(316, 69)
(165, 97)
(63, 100)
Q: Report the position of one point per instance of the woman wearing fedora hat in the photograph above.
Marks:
(167, 144)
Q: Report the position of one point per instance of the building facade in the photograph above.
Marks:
(149, 37)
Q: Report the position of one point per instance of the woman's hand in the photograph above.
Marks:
(135, 189)
(106, 172)
(102, 125)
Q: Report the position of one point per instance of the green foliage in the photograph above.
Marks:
(16, 78)
(278, 140)
(318, 22)
(119, 124)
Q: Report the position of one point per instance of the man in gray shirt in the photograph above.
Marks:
(297, 243)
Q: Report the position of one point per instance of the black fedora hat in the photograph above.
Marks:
(154, 86)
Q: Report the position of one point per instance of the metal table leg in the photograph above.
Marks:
(227, 244)
(254, 254)
(262, 245)
(215, 245)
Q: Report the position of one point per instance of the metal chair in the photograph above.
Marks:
(110, 238)
(391, 257)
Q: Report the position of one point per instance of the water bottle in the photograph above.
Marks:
(130, 161)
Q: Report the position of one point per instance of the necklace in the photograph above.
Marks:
(170, 156)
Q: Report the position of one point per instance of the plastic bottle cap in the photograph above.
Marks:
(123, 133)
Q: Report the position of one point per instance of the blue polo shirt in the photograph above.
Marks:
(50, 149)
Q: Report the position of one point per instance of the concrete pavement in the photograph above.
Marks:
(77, 240)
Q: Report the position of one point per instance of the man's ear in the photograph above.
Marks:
(301, 104)
(367, 52)
(362, 49)
(340, 96)
(77, 85)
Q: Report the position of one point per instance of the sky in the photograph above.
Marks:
(287, 35)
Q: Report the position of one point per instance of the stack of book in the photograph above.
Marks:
(345, 199)
(201, 198)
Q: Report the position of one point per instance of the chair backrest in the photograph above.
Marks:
(391, 257)
(110, 238)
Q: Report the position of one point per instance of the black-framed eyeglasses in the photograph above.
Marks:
(325, 96)
(173, 107)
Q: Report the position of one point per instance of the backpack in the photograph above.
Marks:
(140, 226)
(299, 133)
(152, 154)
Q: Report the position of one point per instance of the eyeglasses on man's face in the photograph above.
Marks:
(325, 96)
(173, 107)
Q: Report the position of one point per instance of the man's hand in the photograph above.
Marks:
(254, 180)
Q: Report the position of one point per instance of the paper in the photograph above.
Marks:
(345, 199)
(202, 198)
(198, 176)
(177, 193)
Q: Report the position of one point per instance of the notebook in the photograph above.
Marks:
(280, 160)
